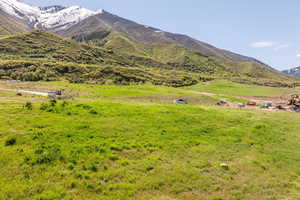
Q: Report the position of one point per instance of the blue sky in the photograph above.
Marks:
(265, 29)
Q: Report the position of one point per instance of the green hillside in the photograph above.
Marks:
(106, 26)
(39, 55)
(50, 47)
(107, 40)
(180, 57)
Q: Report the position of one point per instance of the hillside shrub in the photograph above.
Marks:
(28, 106)
(11, 141)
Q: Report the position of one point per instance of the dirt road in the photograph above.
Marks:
(44, 94)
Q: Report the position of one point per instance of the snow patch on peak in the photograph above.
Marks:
(50, 17)
(52, 9)
(100, 11)
(19, 9)
(64, 18)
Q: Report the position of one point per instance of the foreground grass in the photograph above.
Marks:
(116, 142)
(105, 150)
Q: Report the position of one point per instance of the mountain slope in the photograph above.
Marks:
(39, 55)
(51, 47)
(293, 72)
(82, 24)
(42, 45)
(107, 29)
(108, 39)
(47, 18)
(113, 32)
(9, 24)
(146, 34)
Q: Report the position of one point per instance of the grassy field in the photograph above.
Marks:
(230, 88)
(132, 142)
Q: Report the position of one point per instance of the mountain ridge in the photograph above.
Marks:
(293, 72)
(138, 32)
(136, 45)
(48, 18)
(9, 24)
(148, 34)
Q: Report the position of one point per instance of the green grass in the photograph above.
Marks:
(231, 88)
(96, 91)
(126, 151)
(101, 146)
(132, 94)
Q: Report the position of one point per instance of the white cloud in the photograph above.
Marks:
(262, 44)
(269, 44)
(281, 46)
(298, 55)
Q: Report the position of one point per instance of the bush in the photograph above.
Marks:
(28, 106)
(93, 112)
(45, 107)
(49, 107)
(53, 102)
(45, 154)
(113, 158)
(11, 141)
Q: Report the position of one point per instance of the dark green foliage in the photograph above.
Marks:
(11, 141)
(94, 112)
(28, 106)
(45, 154)
(53, 102)
(75, 73)
(91, 36)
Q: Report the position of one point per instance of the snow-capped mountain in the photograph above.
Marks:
(63, 18)
(52, 9)
(51, 17)
(113, 32)
(293, 72)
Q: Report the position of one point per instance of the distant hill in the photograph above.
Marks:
(111, 31)
(100, 25)
(293, 72)
(40, 55)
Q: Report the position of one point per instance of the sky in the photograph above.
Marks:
(264, 29)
